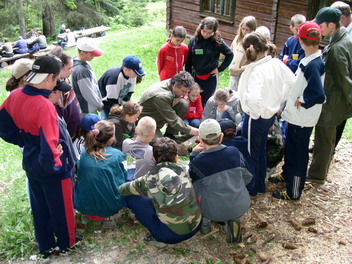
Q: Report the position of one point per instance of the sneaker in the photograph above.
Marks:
(150, 240)
(79, 241)
(282, 195)
(314, 180)
(233, 231)
(277, 179)
(47, 253)
(206, 226)
(108, 224)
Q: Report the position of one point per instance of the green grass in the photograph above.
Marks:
(16, 229)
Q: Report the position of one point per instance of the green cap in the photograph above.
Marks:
(328, 14)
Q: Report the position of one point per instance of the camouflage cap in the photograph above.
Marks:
(169, 183)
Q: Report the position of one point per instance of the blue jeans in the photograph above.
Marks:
(192, 122)
(145, 212)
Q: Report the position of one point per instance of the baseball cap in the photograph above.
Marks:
(228, 127)
(209, 129)
(133, 63)
(89, 121)
(21, 67)
(42, 67)
(168, 183)
(328, 14)
(307, 27)
(62, 86)
(89, 45)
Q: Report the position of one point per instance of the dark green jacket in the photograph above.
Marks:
(338, 80)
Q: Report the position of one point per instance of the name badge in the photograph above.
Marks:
(199, 51)
(295, 56)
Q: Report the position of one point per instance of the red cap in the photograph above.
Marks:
(307, 27)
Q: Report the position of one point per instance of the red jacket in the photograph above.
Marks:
(195, 109)
(171, 60)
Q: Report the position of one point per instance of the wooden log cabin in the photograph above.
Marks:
(274, 14)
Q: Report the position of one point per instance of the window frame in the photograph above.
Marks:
(223, 18)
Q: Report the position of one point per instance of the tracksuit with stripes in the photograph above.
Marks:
(28, 119)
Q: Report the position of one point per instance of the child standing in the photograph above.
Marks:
(172, 56)
(138, 152)
(263, 87)
(100, 173)
(292, 53)
(124, 118)
(195, 108)
(204, 50)
(302, 111)
(239, 62)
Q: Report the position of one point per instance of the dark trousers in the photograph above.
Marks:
(296, 158)
(208, 86)
(256, 131)
(53, 213)
(324, 145)
(145, 212)
(339, 132)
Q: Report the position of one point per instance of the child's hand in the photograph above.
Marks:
(199, 148)
(215, 71)
(59, 148)
(298, 104)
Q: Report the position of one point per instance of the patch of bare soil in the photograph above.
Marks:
(316, 229)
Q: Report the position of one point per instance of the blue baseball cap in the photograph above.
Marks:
(89, 121)
(133, 63)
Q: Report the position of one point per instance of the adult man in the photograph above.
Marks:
(28, 119)
(162, 101)
(84, 81)
(338, 87)
(346, 21)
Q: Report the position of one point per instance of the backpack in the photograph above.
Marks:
(223, 196)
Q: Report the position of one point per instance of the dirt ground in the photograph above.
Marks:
(328, 240)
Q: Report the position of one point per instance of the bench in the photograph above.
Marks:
(91, 32)
(4, 60)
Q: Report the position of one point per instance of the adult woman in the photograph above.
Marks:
(263, 87)
(204, 50)
(247, 25)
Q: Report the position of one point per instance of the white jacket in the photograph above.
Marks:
(302, 116)
(264, 86)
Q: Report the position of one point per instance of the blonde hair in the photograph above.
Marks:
(129, 108)
(248, 21)
(97, 139)
(145, 127)
(297, 20)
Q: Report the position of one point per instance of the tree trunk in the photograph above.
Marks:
(48, 20)
(20, 16)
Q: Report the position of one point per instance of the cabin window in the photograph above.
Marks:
(223, 10)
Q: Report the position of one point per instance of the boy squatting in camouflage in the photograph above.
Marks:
(172, 195)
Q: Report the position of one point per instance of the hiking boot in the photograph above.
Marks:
(314, 180)
(108, 224)
(47, 253)
(79, 241)
(282, 195)
(206, 226)
(149, 239)
(233, 231)
(277, 179)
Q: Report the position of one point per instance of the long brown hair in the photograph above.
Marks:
(209, 23)
(248, 21)
(254, 44)
(129, 108)
(97, 139)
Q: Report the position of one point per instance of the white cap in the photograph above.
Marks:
(21, 67)
(89, 45)
(209, 129)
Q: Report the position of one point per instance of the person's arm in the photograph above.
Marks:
(226, 51)
(185, 55)
(163, 105)
(209, 106)
(314, 92)
(343, 72)
(237, 68)
(135, 187)
(88, 90)
(160, 59)
(189, 62)
(118, 136)
(293, 64)
(8, 129)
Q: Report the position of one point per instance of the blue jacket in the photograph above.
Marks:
(291, 47)
(28, 119)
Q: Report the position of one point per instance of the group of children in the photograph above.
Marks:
(115, 163)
